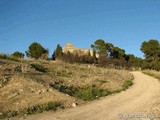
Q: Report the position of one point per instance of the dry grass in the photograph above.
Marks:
(88, 75)
(152, 73)
(22, 93)
(26, 89)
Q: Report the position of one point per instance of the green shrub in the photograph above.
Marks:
(91, 93)
(65, 74)
(40, 68)
(7, 114)
(65, 89)
(18, 54)
(3, 56)
(117, 91)
(13, 58)
(127, 84)
(88, 93)
(8, 57)
(50, 106)
(84, 94)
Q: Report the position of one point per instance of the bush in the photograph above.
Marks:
(91, 93)
(8, 57)
(88, 93)
(65, 74)
(40, 68)
(65, 89)
(84, 94)
(7, 114)
(18, 54)
(50, 106)
(117, 91)
(3, 56)
(127, 84)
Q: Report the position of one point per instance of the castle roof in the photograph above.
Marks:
(69, 45)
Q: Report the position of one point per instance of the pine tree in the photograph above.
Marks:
(57, 54)
(36, 50)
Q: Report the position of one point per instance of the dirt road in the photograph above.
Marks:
(141, 98)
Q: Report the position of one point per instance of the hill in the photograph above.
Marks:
(35, 86)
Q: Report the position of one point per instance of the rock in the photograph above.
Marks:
(21, 90)
(67, 95)
(49, 89)
(32, 90)
(89, 66)
(39, 92)
(43, 90)
(74, 104)
(18, 103)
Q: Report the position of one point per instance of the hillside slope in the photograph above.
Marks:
(26, 87)
(143, 97)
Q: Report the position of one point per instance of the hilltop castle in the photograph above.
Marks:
(72, 49)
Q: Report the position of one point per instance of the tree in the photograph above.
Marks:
(126, 57)
(18, 54)
(117, 52)
(57, 54)
(103, 49)
(135, 61)
(53, 55)
(36, 51)
(151, 50)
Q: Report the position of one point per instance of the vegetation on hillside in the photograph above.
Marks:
(37, 81)
(18, 54)
(37, 51)
(35, 86)
(109, 55)
(152, 73)
(151, 50)
(50, 106)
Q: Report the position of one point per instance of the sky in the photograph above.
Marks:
(124, 23)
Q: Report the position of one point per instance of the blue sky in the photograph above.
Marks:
(125, 23)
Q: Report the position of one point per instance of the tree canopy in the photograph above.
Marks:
(57, 54)
(36, 51)
(101, 47)
(18, 54)
(151, 50)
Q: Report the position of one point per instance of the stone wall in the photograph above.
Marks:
(72, 49)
